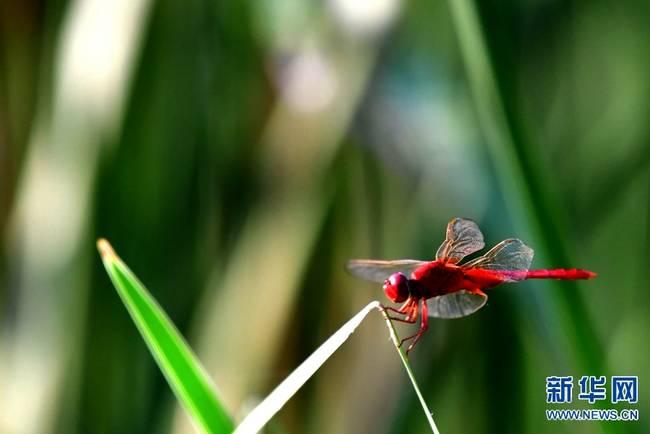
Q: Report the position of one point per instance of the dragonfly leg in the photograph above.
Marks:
(404, 309)
(406, 320)
(424, 326)
(392, 309)
(412, 315)
(408, 309)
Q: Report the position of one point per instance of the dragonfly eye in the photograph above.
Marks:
(396, 288)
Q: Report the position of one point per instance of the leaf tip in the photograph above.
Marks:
(105, 248)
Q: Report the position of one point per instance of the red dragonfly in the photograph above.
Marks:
(445, 288)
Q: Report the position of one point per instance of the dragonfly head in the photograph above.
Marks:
(396, 288)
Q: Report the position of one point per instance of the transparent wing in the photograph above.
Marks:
(455, 305)
(463, 238)
(511, 255)
(378, 271)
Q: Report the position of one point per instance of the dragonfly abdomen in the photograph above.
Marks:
(560, 273)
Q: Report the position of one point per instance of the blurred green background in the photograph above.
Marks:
(236, 154)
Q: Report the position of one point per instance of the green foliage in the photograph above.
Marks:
(181, 368)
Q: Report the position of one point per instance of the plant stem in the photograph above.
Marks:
(261, 414)
(407, 366)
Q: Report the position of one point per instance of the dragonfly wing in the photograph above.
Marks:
(510, 255)
(463, 238)
(455, 305)
(378, 271)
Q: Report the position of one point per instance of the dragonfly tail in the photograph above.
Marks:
(561, 273)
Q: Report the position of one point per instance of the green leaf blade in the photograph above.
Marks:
(184, 373)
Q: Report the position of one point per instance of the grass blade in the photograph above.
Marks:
(407, 366)
(181, 368)
(261, 414)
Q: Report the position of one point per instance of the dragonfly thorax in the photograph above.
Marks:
(396, 288)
